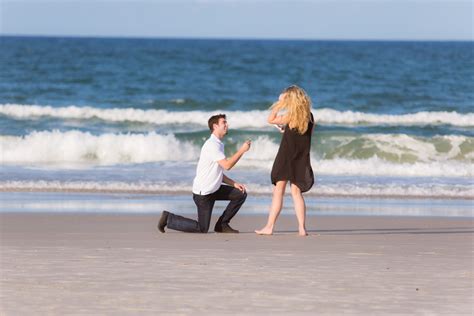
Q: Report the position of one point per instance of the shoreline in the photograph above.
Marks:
(185, 193)
(136, 203)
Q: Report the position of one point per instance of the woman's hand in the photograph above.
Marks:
(273, 117)
(281, 128)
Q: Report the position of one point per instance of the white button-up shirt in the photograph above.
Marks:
(209, 173)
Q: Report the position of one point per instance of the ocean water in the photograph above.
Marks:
(394, 119)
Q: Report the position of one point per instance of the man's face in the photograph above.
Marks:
(221, 127)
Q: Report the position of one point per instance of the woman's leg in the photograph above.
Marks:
(300, 209)
(277, 203)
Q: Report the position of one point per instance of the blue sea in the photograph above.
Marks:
(128, 116)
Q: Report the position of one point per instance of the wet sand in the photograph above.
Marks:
(119, 264)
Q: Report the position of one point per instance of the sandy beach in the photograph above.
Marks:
(119, 264)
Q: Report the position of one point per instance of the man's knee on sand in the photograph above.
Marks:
(204, 224)
(203, 229)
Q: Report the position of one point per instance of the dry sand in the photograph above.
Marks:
(85, 264)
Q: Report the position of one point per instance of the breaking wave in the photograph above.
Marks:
(238, 119)
(371, 154)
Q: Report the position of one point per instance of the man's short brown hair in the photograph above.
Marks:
(214, 120)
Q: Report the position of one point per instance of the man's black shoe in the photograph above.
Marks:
(163, 221)
(225, 228)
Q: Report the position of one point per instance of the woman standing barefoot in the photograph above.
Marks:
(292, 162)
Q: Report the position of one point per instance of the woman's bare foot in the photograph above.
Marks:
(302, 233)
(265, 231)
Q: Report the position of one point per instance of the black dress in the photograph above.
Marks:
(292, 162)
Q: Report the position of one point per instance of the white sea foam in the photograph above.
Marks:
(349, 189)
(78, 147)
(330, 116)
(378, 167)
(237, 119)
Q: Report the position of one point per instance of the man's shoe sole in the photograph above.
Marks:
(227, 231)
(163, 221)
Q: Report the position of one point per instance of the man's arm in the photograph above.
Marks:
(228, 180)
(228, 163)
(234, 184)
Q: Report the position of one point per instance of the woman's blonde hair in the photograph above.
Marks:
(298, 106)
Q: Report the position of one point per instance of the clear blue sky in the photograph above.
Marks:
(285, 19)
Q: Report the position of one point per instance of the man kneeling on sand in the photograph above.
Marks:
(208, 185)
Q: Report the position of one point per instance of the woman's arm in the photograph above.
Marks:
(274, 118)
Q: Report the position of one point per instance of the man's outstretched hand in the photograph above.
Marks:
(246, 146)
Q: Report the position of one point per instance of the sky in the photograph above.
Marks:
(246, 19)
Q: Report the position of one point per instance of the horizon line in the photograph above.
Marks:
(233, 38)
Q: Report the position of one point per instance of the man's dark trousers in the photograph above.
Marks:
(205, 204)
